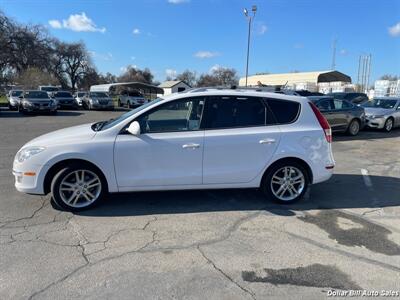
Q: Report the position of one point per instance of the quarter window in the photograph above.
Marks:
(285, 111)
(179, 115)
(230, 112)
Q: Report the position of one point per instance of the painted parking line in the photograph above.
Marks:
(369, 185)
(366, 178)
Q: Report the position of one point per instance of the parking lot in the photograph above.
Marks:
(225, 244)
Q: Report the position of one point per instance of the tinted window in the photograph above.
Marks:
(179, 115)
(338, 104)
(36, 95)
(135, 94)
(16, 93)
(81, 94)
(98, 94)
(347, 104)
(228, 112)
(63, 94)
(284, 111)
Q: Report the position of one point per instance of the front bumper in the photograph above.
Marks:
(29, 179)
(103, 106)
(39, 108)
(375, 122)
(67, 105)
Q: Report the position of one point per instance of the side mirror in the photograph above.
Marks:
(134, 128)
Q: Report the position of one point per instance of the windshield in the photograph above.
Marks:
(338, 95)
(48, 89)
(381, 103)
(63, 94)
(16, 93)
(112, 122)
(81, 94)
(98, 94)
(36, 95)
(135, 94)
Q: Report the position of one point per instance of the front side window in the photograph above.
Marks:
(178, 115)
(231, 112)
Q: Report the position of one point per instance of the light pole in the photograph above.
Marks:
(249, 18)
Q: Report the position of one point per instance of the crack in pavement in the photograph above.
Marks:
(226, 276)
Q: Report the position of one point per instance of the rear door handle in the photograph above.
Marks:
(191, 146)
(267, 141)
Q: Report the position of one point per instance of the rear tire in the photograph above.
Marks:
(285, 182)
(78, 187)
(354, 128)
(388, 125)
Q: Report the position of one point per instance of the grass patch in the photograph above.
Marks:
(3, 99)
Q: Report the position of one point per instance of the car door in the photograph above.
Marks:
(237, 143)
(342, 114)
(397, 115)
(169, 150)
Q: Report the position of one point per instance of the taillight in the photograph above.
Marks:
(323, 122)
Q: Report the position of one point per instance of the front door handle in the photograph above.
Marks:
(267, 141)
(191, 146)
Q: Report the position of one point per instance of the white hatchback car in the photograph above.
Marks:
(200, 139)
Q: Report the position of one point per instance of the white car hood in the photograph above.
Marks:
(376, 111)
(67, 135)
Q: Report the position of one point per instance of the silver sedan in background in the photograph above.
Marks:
(13, 99)
(97, 100)
(383, 113)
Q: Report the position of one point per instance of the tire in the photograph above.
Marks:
(354, 127)
(388, 125)
(273, 190)
(69, 191)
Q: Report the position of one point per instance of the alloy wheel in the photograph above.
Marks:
(287, 183)
(354, 127)
(389, 125)
(80, 188)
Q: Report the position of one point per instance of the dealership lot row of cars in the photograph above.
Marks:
(345, 112)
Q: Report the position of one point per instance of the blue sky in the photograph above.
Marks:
(170, 36)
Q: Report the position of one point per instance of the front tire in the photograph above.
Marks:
(285, 182)
(354, 128)
(388, 125)
(78, 187)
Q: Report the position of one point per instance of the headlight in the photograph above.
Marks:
(26, 103)
(26, 153)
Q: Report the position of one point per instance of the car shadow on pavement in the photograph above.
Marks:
(340, 192)
(367, 134)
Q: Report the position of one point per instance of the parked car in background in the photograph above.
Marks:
(13, 99)
(192, 140)
(79, 98)
(342, 115)
(97, 100)
(36, 101)
(49, 89)
(383, 113)
(65, 99)
(356, 98)
(131, 99)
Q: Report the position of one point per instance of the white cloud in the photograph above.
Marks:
(78, 22)
(170, 73)
(394, 30)
(178, 1)
(206, 54)
(103, 56)
(263, 29)
(55, 24)
(136, 31)
(214, 68)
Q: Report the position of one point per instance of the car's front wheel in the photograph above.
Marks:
(388, 125)
(285, 182)
(78, 187)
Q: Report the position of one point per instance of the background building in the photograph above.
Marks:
(322, 81)
(174, 86)
(389, 88)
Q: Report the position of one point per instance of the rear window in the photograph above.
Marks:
(285, 111)
(63, 94)
(230, 112)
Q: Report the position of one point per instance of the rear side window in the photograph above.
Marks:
(230, 112)
(285, 111)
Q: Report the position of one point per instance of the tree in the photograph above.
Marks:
(390, 77)
(32, 77)
(91, 77)
(188, 76)
(135, 74)
(71, 62)
(219, 77)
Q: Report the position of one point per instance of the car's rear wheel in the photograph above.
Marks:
(388, 125)
(78, 187)
(354, 128)
(285, 182)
